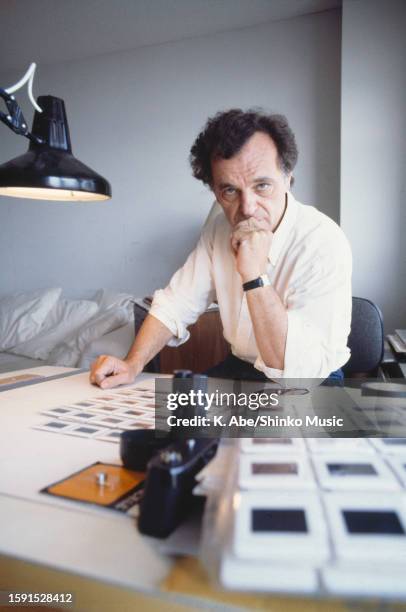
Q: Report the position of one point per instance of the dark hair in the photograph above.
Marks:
(226, 133)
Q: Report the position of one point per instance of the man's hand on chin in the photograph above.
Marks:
(251, 240)
(108, 372)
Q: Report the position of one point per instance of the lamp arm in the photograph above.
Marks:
(28, 77)
(15, 118)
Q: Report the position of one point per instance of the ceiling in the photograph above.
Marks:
(50, 31)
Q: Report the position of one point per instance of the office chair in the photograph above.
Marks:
(366, 338)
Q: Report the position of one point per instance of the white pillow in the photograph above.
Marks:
(69, 351)
(109, 299)
(22, 315)
(117, 343)
(65, 318)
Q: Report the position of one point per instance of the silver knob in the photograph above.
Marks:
(101, 479)
(170, 456)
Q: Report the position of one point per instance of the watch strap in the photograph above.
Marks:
(261, 281)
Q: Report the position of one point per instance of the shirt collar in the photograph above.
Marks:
(284, 229)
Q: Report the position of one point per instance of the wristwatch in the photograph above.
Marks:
(261, 281)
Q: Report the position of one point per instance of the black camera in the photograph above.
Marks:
(171, 465)
(168, 494)
(171, 469)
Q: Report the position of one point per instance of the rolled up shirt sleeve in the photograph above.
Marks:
(189, 292)
(319, 316)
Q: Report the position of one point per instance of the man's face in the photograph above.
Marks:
(251, 184)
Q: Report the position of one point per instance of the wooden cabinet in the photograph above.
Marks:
(205, 348)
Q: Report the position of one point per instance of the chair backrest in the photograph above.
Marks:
(366, 337)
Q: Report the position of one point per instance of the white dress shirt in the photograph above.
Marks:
(310, 268)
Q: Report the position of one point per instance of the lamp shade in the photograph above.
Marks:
(49, 171)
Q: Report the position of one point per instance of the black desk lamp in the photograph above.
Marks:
(48, 170)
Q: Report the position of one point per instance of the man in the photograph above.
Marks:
(279, 270)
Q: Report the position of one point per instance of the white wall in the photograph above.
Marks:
(373, 148)
(133, 117)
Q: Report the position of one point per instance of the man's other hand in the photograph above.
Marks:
(108, 372)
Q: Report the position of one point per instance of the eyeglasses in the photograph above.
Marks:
(287, 391)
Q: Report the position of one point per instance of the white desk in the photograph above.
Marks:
(68, 536)
(54, 545)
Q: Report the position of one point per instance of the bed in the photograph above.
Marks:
(45, 328)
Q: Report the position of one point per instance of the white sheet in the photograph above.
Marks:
(10, 363)
(68, 328)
